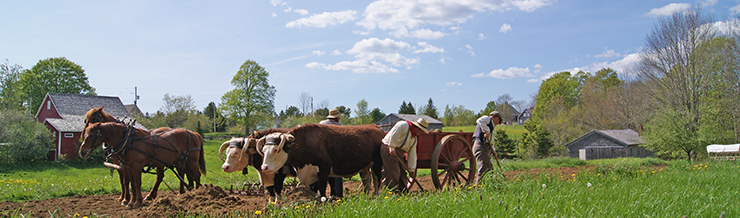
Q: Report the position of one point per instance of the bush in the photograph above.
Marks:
(24, 139)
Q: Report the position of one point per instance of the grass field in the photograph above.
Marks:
(624, 187)
(511, 130)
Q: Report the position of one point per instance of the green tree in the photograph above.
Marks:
(27, 140)
(429, 109)
(536, 141)
(406, 108)
(458, 116)
(505, 146)
(177, 109)
(213, 113)
(363, 113)
(10, 93)
(377, 115)
(252, 99)
(57, 75)
(490, 106)
(676, 61)
(321, 112)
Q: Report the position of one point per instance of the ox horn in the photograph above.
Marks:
(283, 138)
(222, 148)
(245, 148)
(260, 143)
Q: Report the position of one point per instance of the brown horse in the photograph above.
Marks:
(139, 148)
(97, 115)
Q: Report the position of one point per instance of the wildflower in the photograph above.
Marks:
(308, 206)
(544, 186)
(386, 197)
(76, 215)
(653, 171)
(574, 175)
(598, 174)
(323, 199)
(588, 184)
(272, 202)
(257, 212)
(339, 200)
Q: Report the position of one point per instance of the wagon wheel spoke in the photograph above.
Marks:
(462, 176)
(444, 156)
(443, 165)
(466, 158)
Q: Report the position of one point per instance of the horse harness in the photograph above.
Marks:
(126, 144)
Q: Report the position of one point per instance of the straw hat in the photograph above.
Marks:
(422, 124)
(334, 113)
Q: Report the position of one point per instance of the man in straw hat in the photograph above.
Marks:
(402, 138)
(335, 183)
(483, 143)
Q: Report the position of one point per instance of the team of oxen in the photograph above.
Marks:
(310, 152)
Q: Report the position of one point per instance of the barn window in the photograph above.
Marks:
(68, 135)
(48, 105)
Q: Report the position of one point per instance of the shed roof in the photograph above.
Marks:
(626, 137)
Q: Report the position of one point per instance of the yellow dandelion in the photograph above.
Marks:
(308, 206)
(574, 175)
(273, 203)
(598, 174)
(296, 207)
(76, 215)
(386, 197)
(641, 171)
(339, 200)
(257, 212)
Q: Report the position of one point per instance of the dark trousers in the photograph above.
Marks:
(393, 173)
(482, 154)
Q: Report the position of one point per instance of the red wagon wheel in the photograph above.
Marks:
(449, 168)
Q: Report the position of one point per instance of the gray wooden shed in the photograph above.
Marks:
(388, 121)
(608, 144)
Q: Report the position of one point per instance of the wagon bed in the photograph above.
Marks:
(449, 155)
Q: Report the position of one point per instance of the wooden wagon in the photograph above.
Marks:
(449, 155)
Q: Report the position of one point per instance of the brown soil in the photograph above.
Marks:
(208, 199)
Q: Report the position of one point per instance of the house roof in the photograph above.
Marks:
(72, 109)
(626, 137)
(414, 117)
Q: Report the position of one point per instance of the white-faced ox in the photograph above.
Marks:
(341, 151)
(241, 152)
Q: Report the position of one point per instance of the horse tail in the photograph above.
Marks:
(202, 159)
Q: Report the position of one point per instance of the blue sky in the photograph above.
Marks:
(339, 52)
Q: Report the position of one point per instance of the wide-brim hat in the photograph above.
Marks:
(334, 113)
(422, 124)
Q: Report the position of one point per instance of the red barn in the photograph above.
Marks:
(64, 115)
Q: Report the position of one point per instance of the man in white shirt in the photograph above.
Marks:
(402, 138)
(482, 136)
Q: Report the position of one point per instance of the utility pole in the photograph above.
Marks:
(136, 95)
(214, 117)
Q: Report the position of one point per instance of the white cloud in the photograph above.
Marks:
(470, 50)
(427, 48)
(368, 52)
(668, 9)
(358, 66)
(336, 52)
(735, 9)
(274, 14)
(608, 53)
(319, 52)
(504, 28)
(537, 68)
(512, 72)
(303, 12)
(276, 2)
(387, 50)
(481, 36)
(708, 3)
(622, 66)
(401, 17)
(324, 19)
(531, 5)
(421, 33)
(454, 84)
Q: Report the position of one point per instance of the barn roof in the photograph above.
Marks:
(414, 117)
(625, 137)
(72, 109)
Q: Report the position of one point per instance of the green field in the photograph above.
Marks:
(624, 187)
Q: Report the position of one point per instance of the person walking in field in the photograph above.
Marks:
(335, 183)
(402, 138)
(483, 143)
